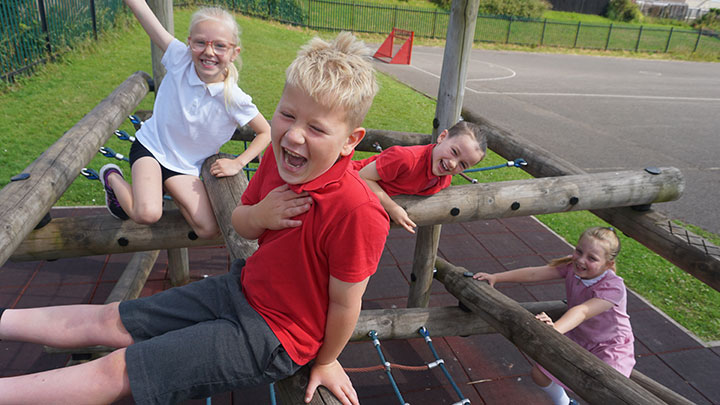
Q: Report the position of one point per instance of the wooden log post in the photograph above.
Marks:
(102, 234)
(82, 236)
(225, 193)
(163, 10)
(24, 203)
(588, 376)
(460, 34)
(178, 260)
(654, 230)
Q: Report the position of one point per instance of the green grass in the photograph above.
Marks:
(35, 112)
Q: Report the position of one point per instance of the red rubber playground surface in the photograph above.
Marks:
(487, 368)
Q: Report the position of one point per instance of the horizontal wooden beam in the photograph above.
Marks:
(84, 236)
(102, 234)
(592, 379)
(24, 203)
(542, 196)
(403, 323)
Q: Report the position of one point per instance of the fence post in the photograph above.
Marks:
(93, 16)
(434, 23)
(667, 45)
(308, 13)
(542, 36)
(607, 41)
(44, 26)
(697, 41)
(637, 44)
(395, 18)
(577, 34)
(352, 17)
(507, 36)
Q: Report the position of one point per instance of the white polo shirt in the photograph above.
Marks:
(190, 121)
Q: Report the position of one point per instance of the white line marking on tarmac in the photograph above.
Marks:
(514, 93)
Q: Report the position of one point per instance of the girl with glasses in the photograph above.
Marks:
(197, 108)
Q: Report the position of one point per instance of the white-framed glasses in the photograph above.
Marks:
(219, 47)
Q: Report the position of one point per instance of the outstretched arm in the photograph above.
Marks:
(157, 33)
(371, 176)
(343, 311)
(577, 314)
(275, 211)
(523, 275)
(231, 167)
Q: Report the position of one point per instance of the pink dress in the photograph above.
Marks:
(607, 335)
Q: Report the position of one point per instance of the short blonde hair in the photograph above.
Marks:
(338, 73)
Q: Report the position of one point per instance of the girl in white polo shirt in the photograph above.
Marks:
(197, 108)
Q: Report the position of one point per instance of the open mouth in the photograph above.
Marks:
(443, 167)
(208, 63)
(293, 160)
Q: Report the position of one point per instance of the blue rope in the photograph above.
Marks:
(109, 153)
(89, 174)
(438, 361)
(124, 136)
(137, 122)
(510, 163)
(273, 401)
(376, 342)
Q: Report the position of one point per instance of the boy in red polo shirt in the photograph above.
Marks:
(320, 229)
(422, 169)
(321, 232)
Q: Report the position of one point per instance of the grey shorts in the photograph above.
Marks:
(198, 340)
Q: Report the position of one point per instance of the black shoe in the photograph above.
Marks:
(113, 205)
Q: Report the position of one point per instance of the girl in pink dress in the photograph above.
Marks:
(597, 317)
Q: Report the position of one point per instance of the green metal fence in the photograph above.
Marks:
(360, 16)
(31, 31)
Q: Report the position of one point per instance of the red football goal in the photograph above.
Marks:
(399, 52)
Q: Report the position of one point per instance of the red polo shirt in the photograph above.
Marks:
(343, 234)
(406, 170)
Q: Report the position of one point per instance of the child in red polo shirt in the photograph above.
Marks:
(422, 169)
(321, 232)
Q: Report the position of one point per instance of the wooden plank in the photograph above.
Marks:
(225, 193)
(403, 323)
(654, 230)
(102, 234)
(24, 203)
(592, 379)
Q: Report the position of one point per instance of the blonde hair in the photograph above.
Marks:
(222, 16)
(338, 73)
(606, 236)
